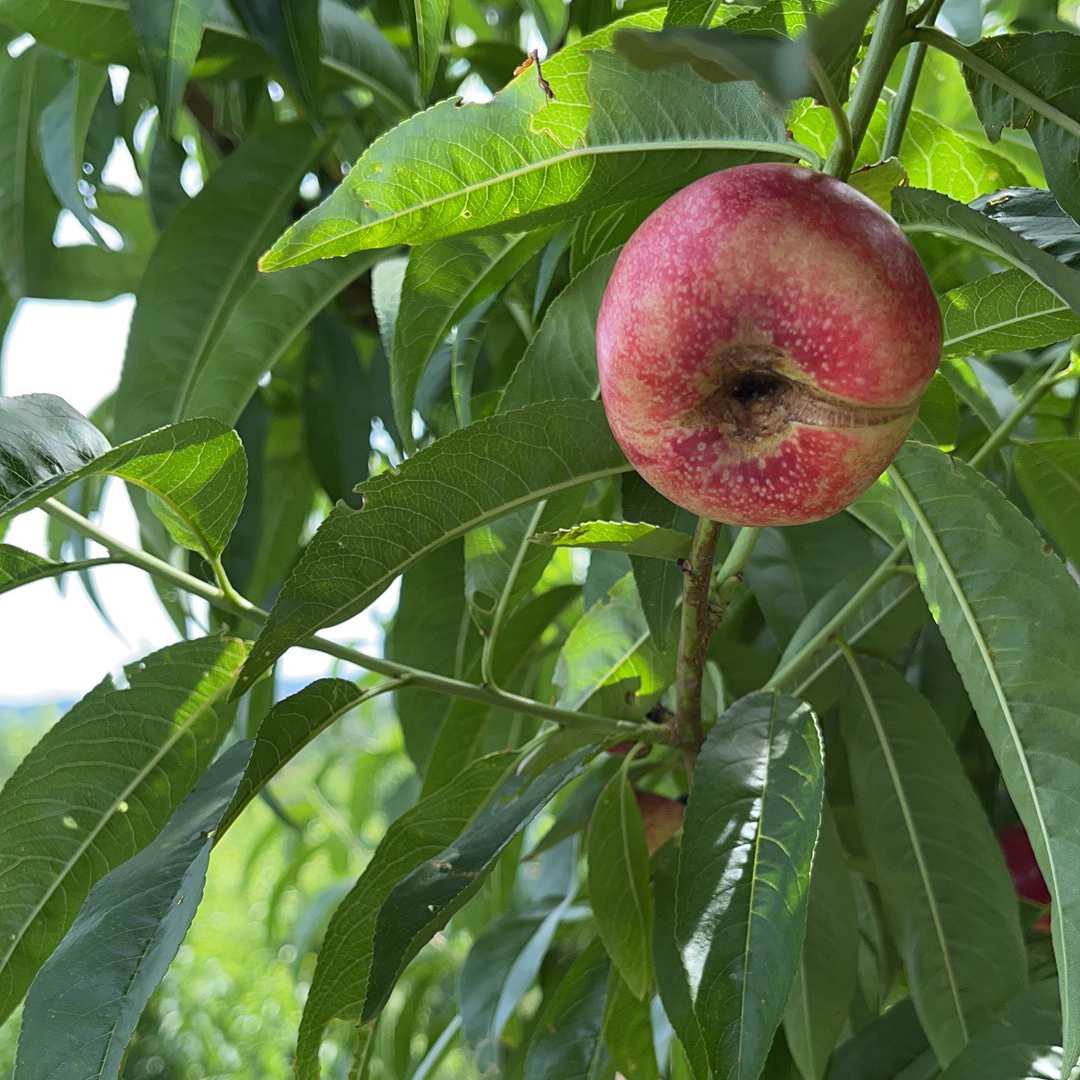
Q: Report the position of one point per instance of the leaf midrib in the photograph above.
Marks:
(306, 252)
(913, 837)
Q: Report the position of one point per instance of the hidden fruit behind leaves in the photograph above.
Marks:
(763, 343)
(1026, 876)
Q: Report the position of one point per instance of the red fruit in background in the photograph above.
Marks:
(661, 816)
(1023, 869)
(763, 345)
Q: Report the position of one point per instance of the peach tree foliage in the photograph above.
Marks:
(408, 394)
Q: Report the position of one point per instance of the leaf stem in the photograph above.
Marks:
(591, 723)
(942, 42)
(698, 621)
(886, 40)
(885, 569)
(1028, 402)
(900, 108)
(842, 158)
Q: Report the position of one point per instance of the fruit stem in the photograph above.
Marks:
(953, 48)
(842, 158)
(890, 32)
(900, 108)
(698, 622)
(602, 727)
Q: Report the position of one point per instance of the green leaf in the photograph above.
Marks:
(1042, 64)
(270, 316)
(628, 1031)
(501, 966)
(428, 22)
(1034, 214)
(939, 413)
(825, 978)
(1002, 313)
(778, 65)
(169, 35)
(884, 1049)
(196, 469)
(340, 984)
(430, 627)
(791, 569)
(423, 901)
(766, 55)
(672, 981)
(744, 874)
(18, 567)
(1024, 1041)
(630, 537)
(83, 1006)
(287, 728)
(521, 160)
(659, 584)
(927, 211)
(289, 32)
(567, 1042)
(63, 128)
(97, 788)
(1049, 473)
(337, 427)
(443, 282)
(619, 891)
(202, 265)
(498, 464)
(42, 437)
(1018, 652)
(26, 218)
(611, 644)
(932, 154)
(560, 361)
(946, 892)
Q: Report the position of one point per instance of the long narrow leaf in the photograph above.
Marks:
(744, 875)
(1010, 613)
(63, 823)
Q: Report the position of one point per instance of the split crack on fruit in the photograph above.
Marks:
(760, 403)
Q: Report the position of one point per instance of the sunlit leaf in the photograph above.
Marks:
(744, 874)
(196, 469)
(524, 160)
(87, 998)
(98, 787)
(1002, 313)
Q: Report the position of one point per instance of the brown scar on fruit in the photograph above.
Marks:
(755, 400)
